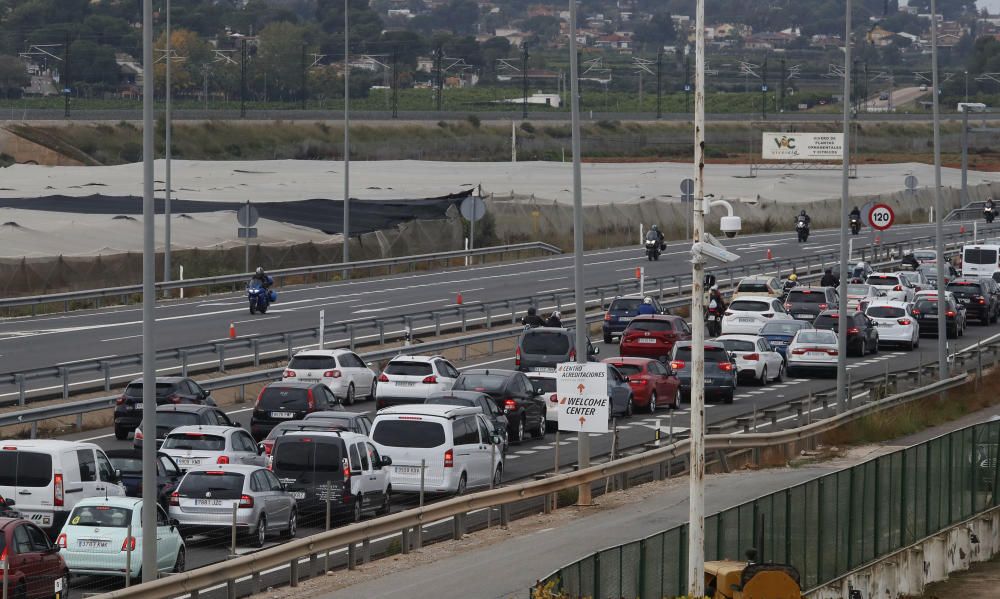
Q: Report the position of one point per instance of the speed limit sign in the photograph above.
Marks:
(881, 217)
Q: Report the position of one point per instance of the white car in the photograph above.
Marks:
(755, 358)
(748, 314)
(341, 370)
(812, 349)
(412, 379)
(895, 322)
(95, 540)
(546, 381)
(859, 295)
(194, 446)
(916, 279)
(894, 284)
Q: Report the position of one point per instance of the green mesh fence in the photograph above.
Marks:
(824, 527)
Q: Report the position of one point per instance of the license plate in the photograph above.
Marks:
(644, 340)
(298, 494)
(745, 320)
(625, 319)
(405, 384)
(308, 380)
(137, 406)
(93, 543)
(407, 469)
(544, 369)
(282, 414)
(776, 343)
(816, 353)
(188, 462)
(208, 502)
(803, 315)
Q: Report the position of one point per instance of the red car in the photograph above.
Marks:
(36, 568)
(653, 384)
(653, 336)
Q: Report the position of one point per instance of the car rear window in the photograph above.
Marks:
(487, 383)
(737, 344)
(313, 362)
(127, 465)
(755, 287)
(421, 434)
(25, 469)
(650, 325)
(225, 485)
(544, 342)
(451, 401)
(825, 321)
(712, 354)
(857, 290)
(625, 305)
(134, 390)
(195, 441)
(626, 369)
(399, 367)
(780, 328)
(546, 384)
(287, 398)
(963, 287)
(883, 280)
(172, 420)
(101, 515)
(806, 296)
(749, 306)
(978, 256)
(928, 306)
(886, 312)
(816, 337)
(308, 454)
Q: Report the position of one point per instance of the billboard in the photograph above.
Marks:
(802, 146)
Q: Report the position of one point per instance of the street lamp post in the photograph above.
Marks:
(168, 126)
(938, 202)
(347, 134)
(843, 392)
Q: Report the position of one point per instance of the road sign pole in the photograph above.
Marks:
(942, 327)
(845, 197)
(347, 136)
(246, 245)
(167, 117)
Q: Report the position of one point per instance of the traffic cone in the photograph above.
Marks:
(458, 299)
(878, 240)
(232, 330)
(961, 229)
(769, 256)
(638, 272)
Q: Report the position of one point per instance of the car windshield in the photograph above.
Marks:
(740, 345)
(625, 305)
(214, 485)
(886, 312)
(883, 280)
(127, 465)
(545, 342)
(284, 398)
(408, 368)
(748, 306)
(816, 337)
(195, 441)
(979, 256)
(488, 383)
(312, 363)
(408, 431)
(857, 289)
(806, 296)
(780, 328)
(964, 288)
(134, 390)
(100, 515)
(546, 384)
(753, 287)
(650, 325)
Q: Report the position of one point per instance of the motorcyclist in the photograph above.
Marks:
(791, 281)
(265, 279)
(829, 279)
(532, 319)
(659, 235)
(646, 307)
(989, 204)
(803, 217)
(554, 320)
(989, 211)
(858, 274)
(714, 295)
(855, 214)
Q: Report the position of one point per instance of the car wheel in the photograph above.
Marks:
(293, 525)
(607, 338)
(781, 373)
(519, 431)
(178, 563)
(253, 309)
(628, 408)
(21, 592)
(763, 377)
(386, 502)
(371, 390)
(462, 482)
(677, 399)
(539, 431)
(875, 348)
(864, 349)
(349, 398)
(260, 533)
(729, 398)
(356, 513)
(497, 476)
(121, 434)
(652, 402)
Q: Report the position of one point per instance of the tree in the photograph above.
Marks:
(191, 54)
(92, 65)
(13, 75)
(459, 16)
(657, 32)
(365, 25)
(544, 26)
(280, 57)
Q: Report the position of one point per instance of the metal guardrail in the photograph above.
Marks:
(970, 211)
(289, 554)
(249, 350)
(129, 290)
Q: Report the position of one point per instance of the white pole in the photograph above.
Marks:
(845, 196)
(347, 135)
(642, 281)
(942, 342)
(696, 501)
(642, 234)
(975, 232)
(513, 141)
(466, 249)
(181, 269)
(322, 326)
(167, 155)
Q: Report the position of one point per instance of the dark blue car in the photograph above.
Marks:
(621, 311)
(128, 462)
(779, 333)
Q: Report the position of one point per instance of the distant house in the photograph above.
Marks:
(614, 41)
(767, 41)
(880, 37)
(826, 41)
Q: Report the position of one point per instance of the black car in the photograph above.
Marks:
(354, 422)
(513, 394)
(929, 271)
(862, 332)
(288, 400)
(978, 296)
(926, 313)
(129, 463)
(621, 311)
(720, 370)
(474, 399)
(170, 390)
(170, 417)
(806, 303)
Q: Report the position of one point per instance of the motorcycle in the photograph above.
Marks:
(989, 214)
(260, 297)
(803, 230)
(652, 249)
(713, 319)
(855, 225)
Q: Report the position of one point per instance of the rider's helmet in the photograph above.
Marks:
(260, 270)
(803, 213)
(531, 310)
(793, 277)
(655, 228)
(556, 314)
(648, 300)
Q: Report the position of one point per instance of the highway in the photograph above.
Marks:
(67, 338)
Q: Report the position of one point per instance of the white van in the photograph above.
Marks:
(455, 444)
(47, 478)
(980, 260)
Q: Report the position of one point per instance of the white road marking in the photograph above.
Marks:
(86, 360)
(123, 338)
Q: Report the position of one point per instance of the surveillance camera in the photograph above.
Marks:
(703, 249)
(730, 225)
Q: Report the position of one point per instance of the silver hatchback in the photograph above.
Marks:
(205, 498)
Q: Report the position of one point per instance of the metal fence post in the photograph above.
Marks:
(106, 369)
(288, 343)
(293, 572)
(221, 350)
(232, 547)
(22, 391)
(420, 528)
(352, 557)
(255, 344)
(437, 324)
(381, 332)
(350, 334)
(184, 362)
(64, 375)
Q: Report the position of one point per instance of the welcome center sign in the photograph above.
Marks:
(802, 146)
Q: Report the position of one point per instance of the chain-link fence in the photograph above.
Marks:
(825, 527)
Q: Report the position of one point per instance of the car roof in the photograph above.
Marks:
(434, 410)
(492, 371)
(629, 360)
(756, 278)
(160, 379)
(291, 385)
(762, 298)
(129, 452)
(125, 502)
(415, 358)
(458, 394)
(708, 344)
(664, 317)
(184, 407)
(323, 352)
(541, 375)
(332, 435)
(51, 444)
(209, 429)
(332, 414)
(888, 303)
(534, 330)
(738, 337)
(235, 468)
(815, 330)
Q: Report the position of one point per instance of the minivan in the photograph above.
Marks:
(47, 478)
(454, 446)
(542, 348)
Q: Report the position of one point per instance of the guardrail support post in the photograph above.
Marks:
(288, 344)
(366, 551)
(352, 556)
(231, 589)
(463, 314)
(106, 369)
(64, 375)
(221, 350)
(437, 324)
(79, 422)
(255, 345)
(34, 430)
(350, 334)
(381, 332)
(184, 362)
(504, 515)
(293, 572)
(22, 392)
(458, 527)
(513, 312)
(255, 583)
(489, 316)
(404, 541)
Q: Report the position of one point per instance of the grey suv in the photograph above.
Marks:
(542, 348)
(806, 303)
(720, 370)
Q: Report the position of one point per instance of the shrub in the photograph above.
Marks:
(473, 120)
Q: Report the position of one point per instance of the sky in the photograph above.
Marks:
(992, 5)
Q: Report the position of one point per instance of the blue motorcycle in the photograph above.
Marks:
(259, 296)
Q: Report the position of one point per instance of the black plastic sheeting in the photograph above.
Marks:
(325, 215)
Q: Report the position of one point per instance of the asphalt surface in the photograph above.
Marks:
(68, 338)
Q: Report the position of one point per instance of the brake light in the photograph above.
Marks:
(268, 446)
(824, 306)
(345, 469)
(331, 374)
(788, 306)
(916, 312)
(677, 364)
(509, 405)
(517, 356)
(852, 330)
(554, 398)
(57, 490)
(728, 313)
(904, 321)
(726, 366)
(897, 288)
(639, 382)
(194, 435)
(246, 501)
(980, 300)
(288, 374)
(60, 541)
(752, 357)
(430, 380)
(120, 400)
(174, 398)
(128, 544)
(222, 459)
(768, 314)
(950, 313)
(607, 316)
(572, 355)
(798, 351)
(449, 459)
(259, 395)
(310, 400)
(175, 499)
(138, 434)
(382, 378)
(832, 352)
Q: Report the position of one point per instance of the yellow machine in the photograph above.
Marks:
(745, 580)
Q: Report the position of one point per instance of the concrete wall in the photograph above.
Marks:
(908, 571)
(29, 152)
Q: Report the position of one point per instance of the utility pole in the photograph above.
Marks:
(696, 478)
(347, 134)
(67, 90)
(524, 80)
(782, 90)
(942, 342)
(149, 569)
(763, 92)
(845, 196)
(305, 91)
(167, 135)
(243, 78)
(438, 81)
(687, 84)
(395, 83)
(583, 439)
(965, 156)
(659, 84)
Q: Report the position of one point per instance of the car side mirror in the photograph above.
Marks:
(260, 449)
(118, 475)
(386, 460)
(539, 391)
(595, 350)
(627, 379)
(495, 439)
(9, 502)
(175, 522)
